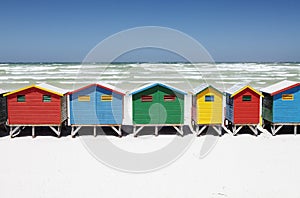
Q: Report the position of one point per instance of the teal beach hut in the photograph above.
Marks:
(96, 105)
(281, 105)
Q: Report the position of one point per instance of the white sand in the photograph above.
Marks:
(241, 166)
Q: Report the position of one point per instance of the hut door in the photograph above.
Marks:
(170, 111)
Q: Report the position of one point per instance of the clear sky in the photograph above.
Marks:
(256, 30)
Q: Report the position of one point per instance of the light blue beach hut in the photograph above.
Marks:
(96, 105)
(281, 105)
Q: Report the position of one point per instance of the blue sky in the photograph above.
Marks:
(54, 30)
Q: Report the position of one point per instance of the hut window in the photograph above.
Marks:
(46, 98)
(21, 98)
(169, 98)
(287, 96)
(247, 98)
(209, 98)
(84, 98)
(106, 98)
(146, 98)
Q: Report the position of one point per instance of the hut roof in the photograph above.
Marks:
(148, 86)
(101, 85)
(280, 87)
(237, 88)
(42, 86)
(202, 87)
(2, 91)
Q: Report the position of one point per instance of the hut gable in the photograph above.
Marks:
(148, 86)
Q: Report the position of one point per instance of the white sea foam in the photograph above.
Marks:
(261, 74)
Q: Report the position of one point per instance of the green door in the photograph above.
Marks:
(158, 105)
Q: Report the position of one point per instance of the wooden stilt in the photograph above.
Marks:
(72, 131)
(295, 129)
(118, 131)
(56, 131)
(274, 130)
(13, 131)
(218, 129)
(95, 131)
(226, 129)
(253, 129)
(201, 130)
(136, 130)
(236, 130)
(75, 131)
(179, 130)
(156, 130)
(196, 129)
(33, 131)
(10, 131)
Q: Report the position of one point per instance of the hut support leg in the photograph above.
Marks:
(95, 131)
(12, 131)
(74, 132)
(118, 131)
(33, 131)
(295, 129)
(218, 129)
(196, 129)
(274, 130)
(201, 130)
(179, 130)
(57, 132)
(136, 130)
(226, 129)
(156, 130)
(236, 130)
(253, 129)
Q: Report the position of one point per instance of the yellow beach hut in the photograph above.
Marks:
(207, 108)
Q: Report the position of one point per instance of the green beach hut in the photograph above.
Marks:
(158, 104)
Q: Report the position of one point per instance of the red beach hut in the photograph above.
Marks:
(36, 105)
(243, 107)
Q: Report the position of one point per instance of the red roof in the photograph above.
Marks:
(280, 87)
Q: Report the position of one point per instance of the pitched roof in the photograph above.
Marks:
(2, 91)
(280, 87)
(101, 85)
(202, 87)
(42, 86)
(150, 85)
(237, 88)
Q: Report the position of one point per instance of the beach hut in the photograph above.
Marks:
(3, 107)
(243, 108)
(281, 105)
(96, 105)
(36, 105)
(207, 105)
(157, 104)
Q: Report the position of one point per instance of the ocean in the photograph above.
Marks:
(128, 76)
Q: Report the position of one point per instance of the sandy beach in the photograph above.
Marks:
(238, 166)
